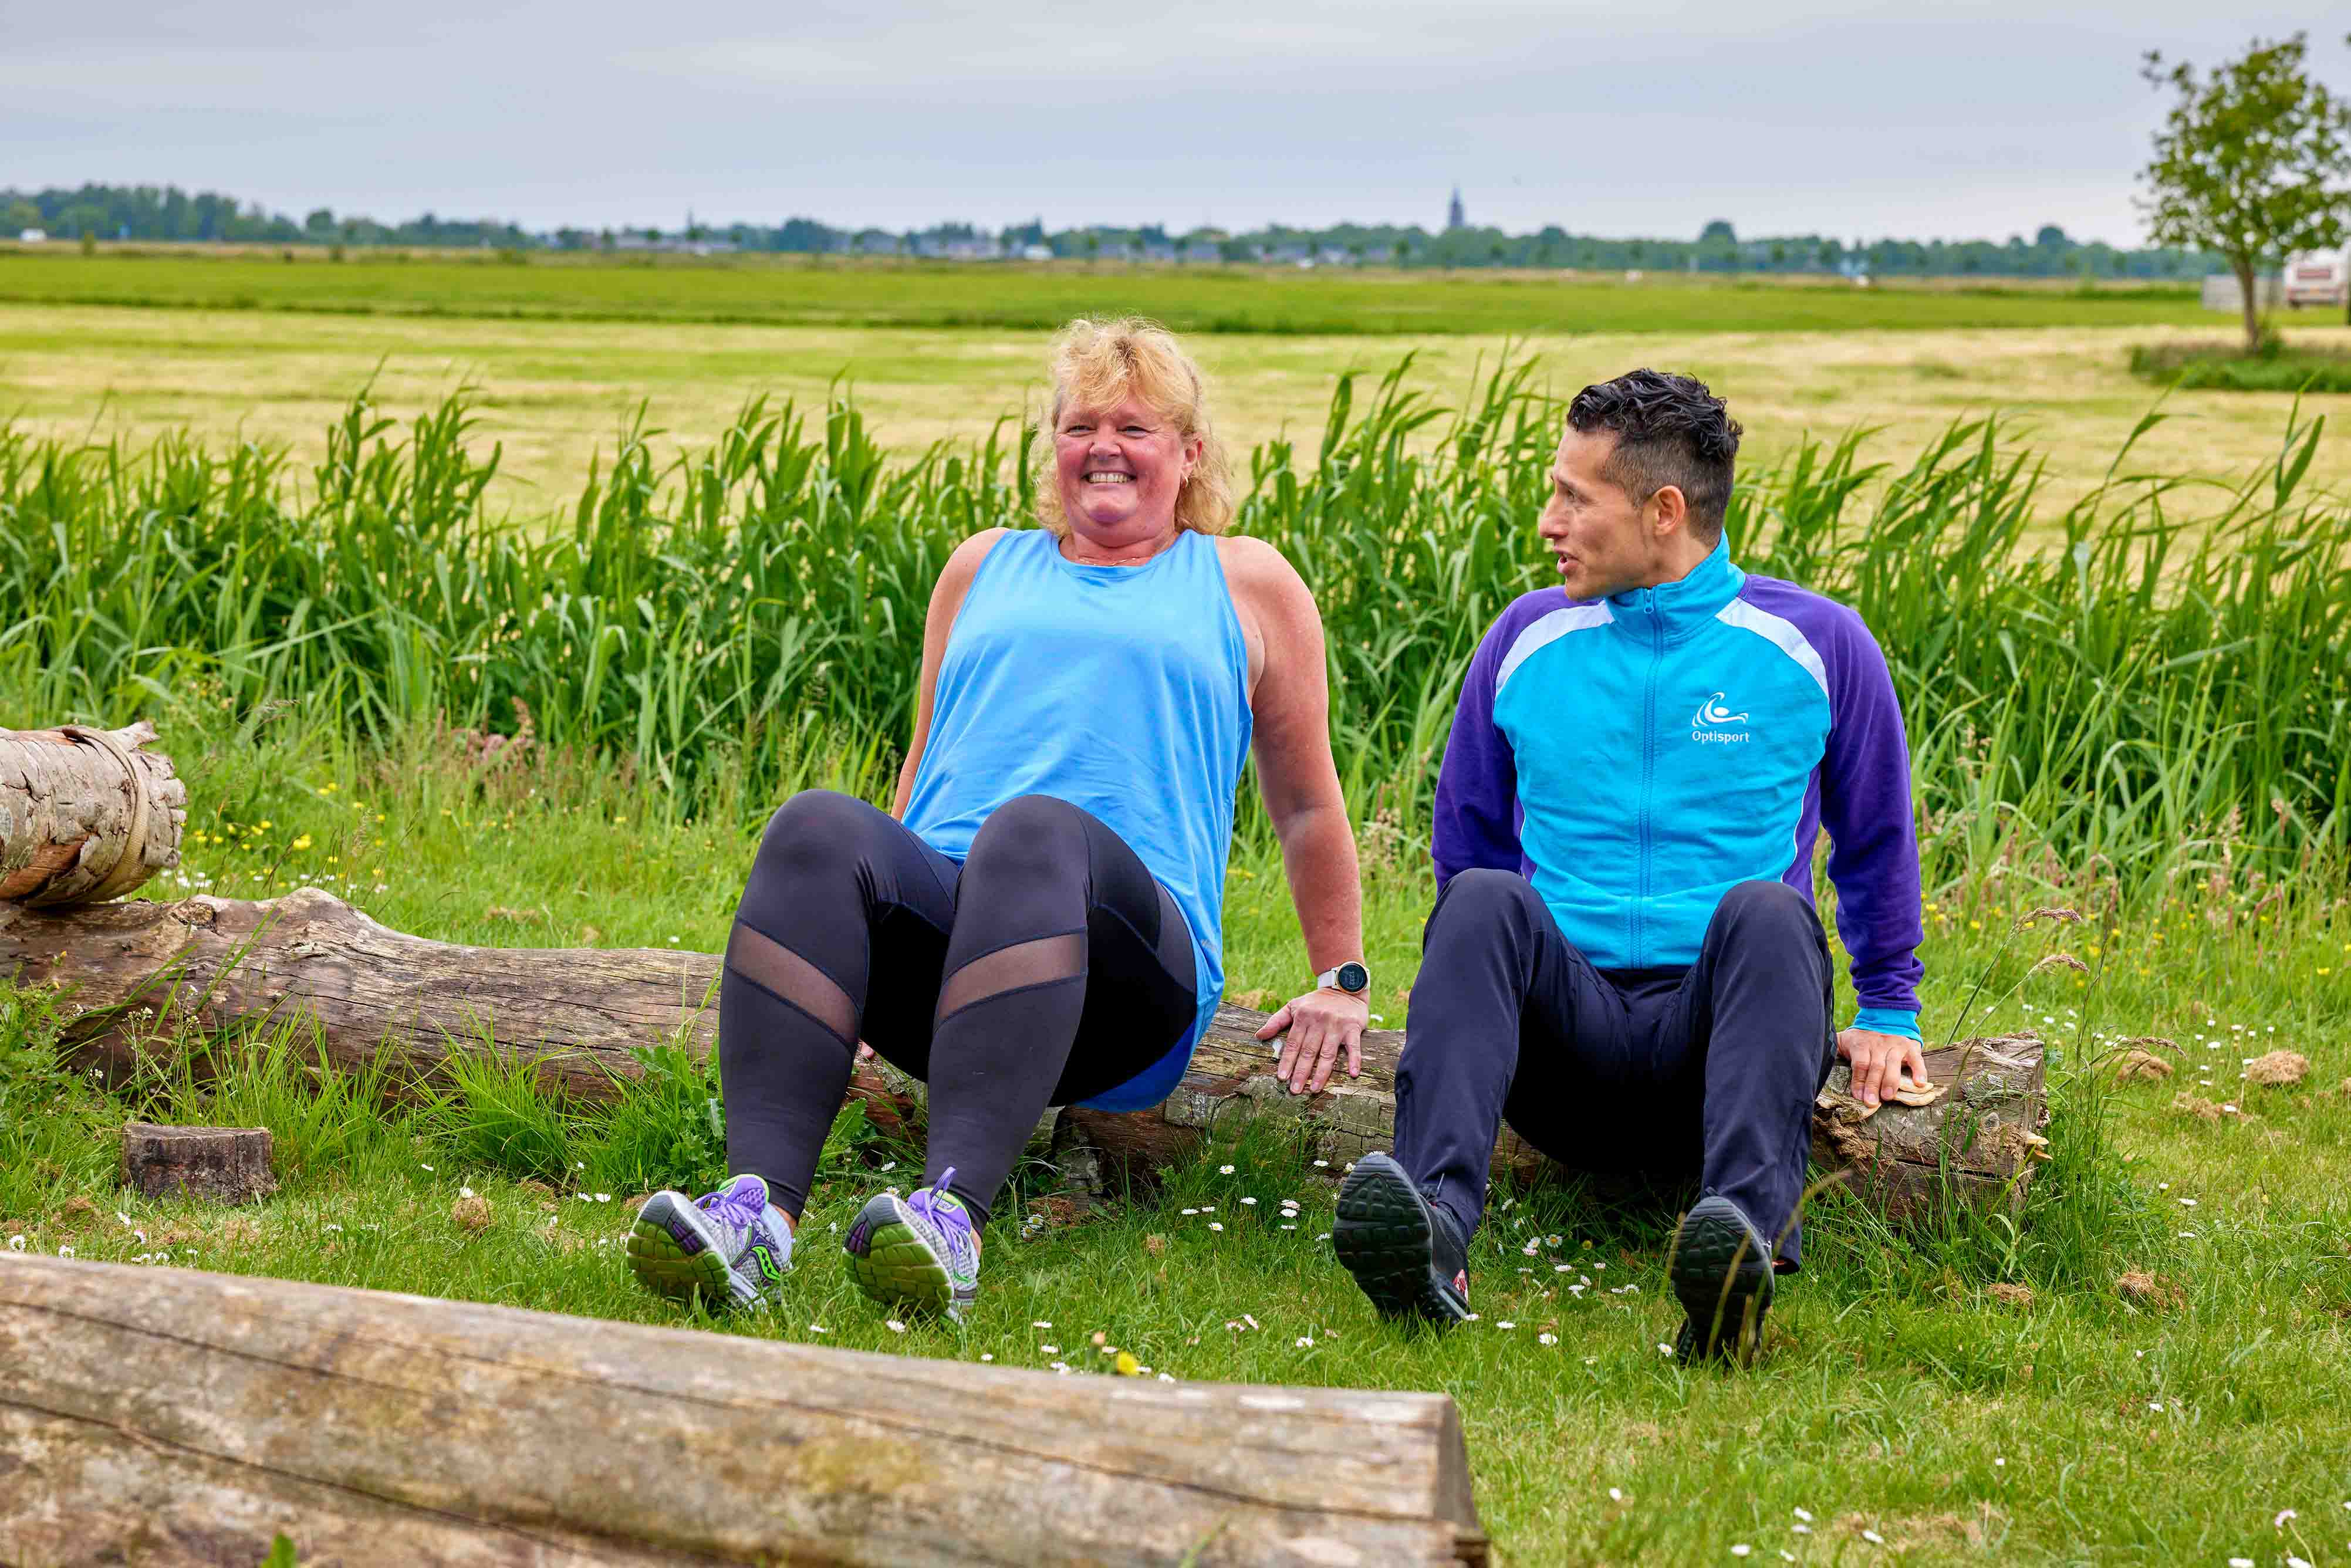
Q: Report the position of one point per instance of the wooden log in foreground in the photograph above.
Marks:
(85, 815)
(164, 1417)
(138, 969)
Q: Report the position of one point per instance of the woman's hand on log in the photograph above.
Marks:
(1878, 1062)
(1321, 1024)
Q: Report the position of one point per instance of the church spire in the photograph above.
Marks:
(1453, 216)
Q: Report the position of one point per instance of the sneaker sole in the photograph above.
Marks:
(892, 1264)
(1720, 1269)
(671, 1256)
(1383, 1238)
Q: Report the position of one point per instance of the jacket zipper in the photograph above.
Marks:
(1649, 773)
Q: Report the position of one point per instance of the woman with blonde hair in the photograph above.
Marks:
(1038, 921)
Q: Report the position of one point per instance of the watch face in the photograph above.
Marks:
(1353, 977)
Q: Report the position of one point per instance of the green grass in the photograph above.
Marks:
(1246, 299)
(1899, 1395)
(2227, 366)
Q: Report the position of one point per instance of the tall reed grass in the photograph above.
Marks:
(2166, 686)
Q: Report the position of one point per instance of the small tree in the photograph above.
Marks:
(2253, 163)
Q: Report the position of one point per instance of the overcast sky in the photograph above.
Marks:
(1959, 120)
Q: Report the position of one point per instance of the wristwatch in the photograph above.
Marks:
(1351, 979)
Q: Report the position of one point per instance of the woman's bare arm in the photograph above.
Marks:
(1291, 707)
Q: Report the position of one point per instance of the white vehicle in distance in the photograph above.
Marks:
(2318, 278)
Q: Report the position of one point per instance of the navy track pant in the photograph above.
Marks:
(1708, 1070)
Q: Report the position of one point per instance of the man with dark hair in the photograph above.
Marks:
(1624, 961)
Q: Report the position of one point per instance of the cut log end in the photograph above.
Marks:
(223, 1165)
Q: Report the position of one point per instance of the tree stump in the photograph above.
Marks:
(85, 815)
(225, 1165)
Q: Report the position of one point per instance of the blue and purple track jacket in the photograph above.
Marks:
(1635, 757)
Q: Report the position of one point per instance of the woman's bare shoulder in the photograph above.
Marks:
(1255, 568)
(964, 563)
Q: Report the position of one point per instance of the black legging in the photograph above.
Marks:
(1048, 968)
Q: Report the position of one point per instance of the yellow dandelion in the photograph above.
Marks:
(303, 842)
(1127, 1365)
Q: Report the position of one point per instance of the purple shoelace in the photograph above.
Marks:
(738, 1203)
(955, 1222)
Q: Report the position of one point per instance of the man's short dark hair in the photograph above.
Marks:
(1670, 430)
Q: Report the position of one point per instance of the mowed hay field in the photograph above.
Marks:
(564, 355)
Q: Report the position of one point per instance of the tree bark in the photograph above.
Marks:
(85, 815)
(146, 977)
(372, 1428)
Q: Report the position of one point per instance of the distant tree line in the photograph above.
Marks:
(167, 212)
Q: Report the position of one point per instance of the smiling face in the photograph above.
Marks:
(1607, 540)
(1121, 470)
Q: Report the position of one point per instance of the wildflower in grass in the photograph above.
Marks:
(894, 1326)
(429, 1168)
(464, 1192)
(1741, 1549)
(1546, 1339)
(1248, 1202)
(1041, 1323)
(303, 842)
(1224, 1170)
(1063, 1367)
(65, 1251)
(1873, 1538)
(819, 1328)
(1615, 1494)
(2284, 1514)
(1049, 1350)
(1306, 1342)
(1216, 1225)
(1128, 1366)
(987, 1355)
(15, 1244)
(1663, 1349)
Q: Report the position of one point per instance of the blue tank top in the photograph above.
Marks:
(1119, 689)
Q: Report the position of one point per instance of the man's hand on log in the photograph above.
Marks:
(1321, 1024)
(1879, 1061)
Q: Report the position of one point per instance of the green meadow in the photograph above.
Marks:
(1022, 297)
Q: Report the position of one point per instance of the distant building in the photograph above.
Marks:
(33, 237)
(1455, 218)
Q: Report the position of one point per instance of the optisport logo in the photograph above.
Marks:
(1713, 724)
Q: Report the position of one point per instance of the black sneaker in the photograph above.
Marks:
(1722, 1276)
(1408, 1255)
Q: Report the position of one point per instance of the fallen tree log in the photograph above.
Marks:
(372, 1428)
(85, 815)
(145, 974)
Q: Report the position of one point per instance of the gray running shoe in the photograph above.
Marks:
(920, 1252)
(731, 1246)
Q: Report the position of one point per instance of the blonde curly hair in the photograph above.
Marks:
(1098, 363)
